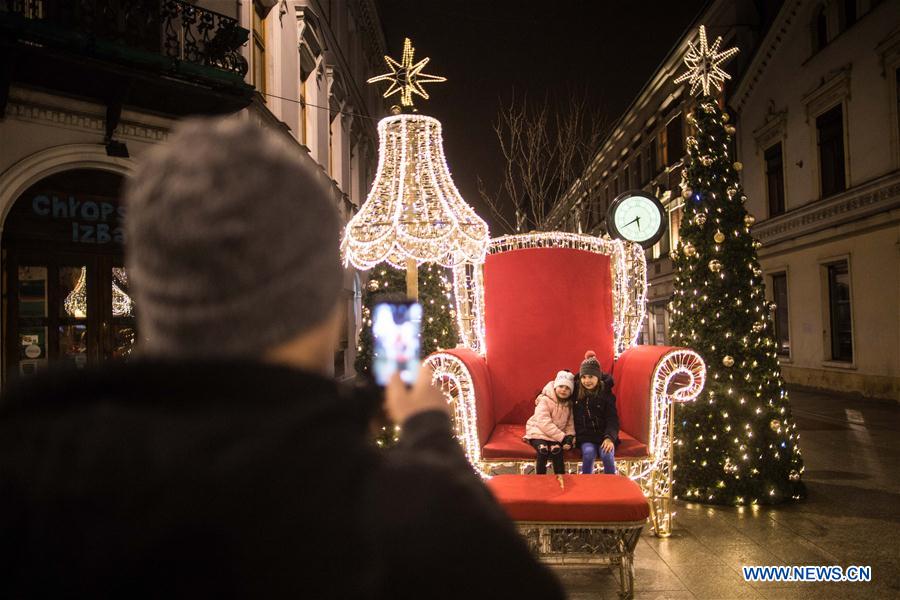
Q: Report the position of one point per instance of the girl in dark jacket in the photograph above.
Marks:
(596, 419)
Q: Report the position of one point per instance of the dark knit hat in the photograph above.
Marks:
(231, 242)
(590, 365)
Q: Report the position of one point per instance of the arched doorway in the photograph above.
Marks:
(67, 289)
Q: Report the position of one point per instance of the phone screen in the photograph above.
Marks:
(395, 328)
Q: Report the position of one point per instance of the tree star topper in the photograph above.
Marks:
(406, 77)
(703, 64)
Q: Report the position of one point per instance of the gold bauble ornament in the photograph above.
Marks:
(730, 129)
(687, 193)
(719, 237)
(725, 117)
(794, 475)
(738, 165)
(373, 285)
(715, 266)
(706, 161)
(700, 219)
(758, 326)
(757, 244)
(775, 424)
(689, 249)
(728, 361)
(749, 220)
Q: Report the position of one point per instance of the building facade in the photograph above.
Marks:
(819, 140)
(790, 97)
(87, 87)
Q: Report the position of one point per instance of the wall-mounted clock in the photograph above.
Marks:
(638, 217)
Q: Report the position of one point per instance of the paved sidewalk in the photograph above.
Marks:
(851, 517)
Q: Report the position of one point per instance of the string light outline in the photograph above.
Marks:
(703, 64)
(406, 77)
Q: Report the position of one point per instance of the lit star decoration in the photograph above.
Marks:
(703, 65)
(405, 77)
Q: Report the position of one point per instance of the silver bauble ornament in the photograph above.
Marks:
(715, 266)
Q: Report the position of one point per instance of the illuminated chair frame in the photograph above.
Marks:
(656, 376)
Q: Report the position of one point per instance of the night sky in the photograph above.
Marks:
(488, 48)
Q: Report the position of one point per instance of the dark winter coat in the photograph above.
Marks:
(239, 480)
(596, 417)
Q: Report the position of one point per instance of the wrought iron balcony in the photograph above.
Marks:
(127, 40)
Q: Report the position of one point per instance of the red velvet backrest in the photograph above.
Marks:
(633, 393)
(543, 307)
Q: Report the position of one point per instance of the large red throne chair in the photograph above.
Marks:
(539, 302)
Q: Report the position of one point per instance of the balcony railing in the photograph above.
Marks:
(170, 28)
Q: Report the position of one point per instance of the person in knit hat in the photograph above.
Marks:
(223, 451)
(595, 416)
(550, 429)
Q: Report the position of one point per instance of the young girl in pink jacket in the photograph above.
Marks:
(552, 429)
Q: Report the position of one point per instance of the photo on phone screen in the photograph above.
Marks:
(395, 328)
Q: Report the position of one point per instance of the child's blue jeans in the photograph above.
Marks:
(589, 453)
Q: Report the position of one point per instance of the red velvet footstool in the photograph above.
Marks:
(577, 519)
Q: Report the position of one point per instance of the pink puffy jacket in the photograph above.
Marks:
(552, 420)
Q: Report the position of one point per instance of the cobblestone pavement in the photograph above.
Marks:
(851, 517)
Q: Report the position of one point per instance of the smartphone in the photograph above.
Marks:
(396, 328)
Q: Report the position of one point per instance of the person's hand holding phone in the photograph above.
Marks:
(403, 402)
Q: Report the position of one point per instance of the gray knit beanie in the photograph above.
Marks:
(590, 365)
(232, 242)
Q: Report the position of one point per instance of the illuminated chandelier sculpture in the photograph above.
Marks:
(414, 213)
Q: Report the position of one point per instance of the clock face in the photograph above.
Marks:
(637, 217)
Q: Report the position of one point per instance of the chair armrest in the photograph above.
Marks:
(464, 377)
(647, 380)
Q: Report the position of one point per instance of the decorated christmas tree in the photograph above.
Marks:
(439, 329)
(737, 443)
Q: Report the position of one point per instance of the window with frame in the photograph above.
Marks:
(638, 170)
(820, 28)
(780, 319)
(652, 163)
(849, 14)
(662, 148)
(775, 179)
(659, 334)
(830, 136)
(674, 140)
(259, 52)
(841, 328)
(675, 215)
(626, 177)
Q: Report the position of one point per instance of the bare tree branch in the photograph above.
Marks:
(546, 147)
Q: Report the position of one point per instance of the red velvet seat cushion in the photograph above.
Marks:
(506, 443)
(580, 498)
